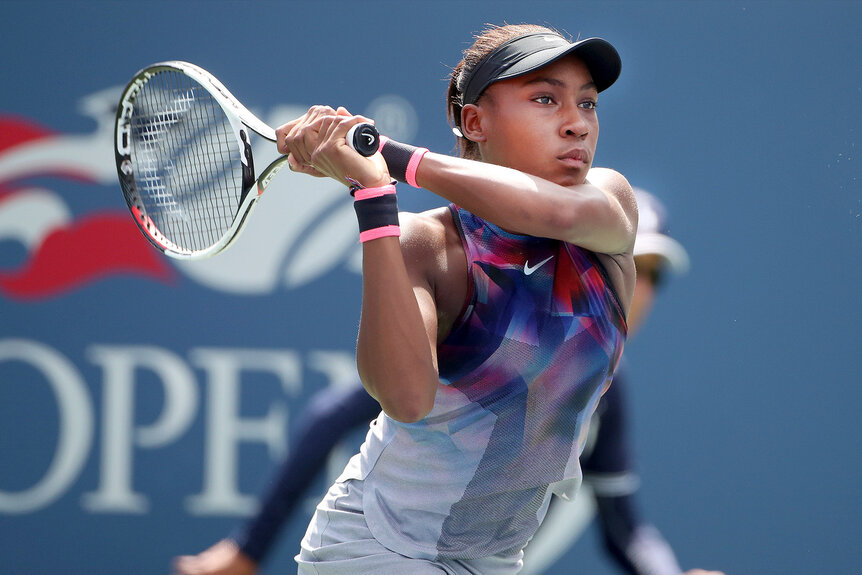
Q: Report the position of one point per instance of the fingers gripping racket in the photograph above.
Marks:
(184, 158)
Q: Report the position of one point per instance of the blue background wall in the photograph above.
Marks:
(743, 116)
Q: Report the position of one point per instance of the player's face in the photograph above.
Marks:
(543, 123)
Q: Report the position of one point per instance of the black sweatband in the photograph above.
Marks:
(402, 160)
(376, 212)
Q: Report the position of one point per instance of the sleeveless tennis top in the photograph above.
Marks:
(521, 373)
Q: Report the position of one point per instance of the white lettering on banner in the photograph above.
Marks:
(225, 429)
(76, 424)
(181, 400)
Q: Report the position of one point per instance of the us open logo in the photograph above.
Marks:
(303, 228)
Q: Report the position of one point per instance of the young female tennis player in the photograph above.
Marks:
(490, 328)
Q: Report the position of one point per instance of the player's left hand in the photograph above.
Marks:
(316, 145)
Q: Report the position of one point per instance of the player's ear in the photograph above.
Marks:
(471, 123)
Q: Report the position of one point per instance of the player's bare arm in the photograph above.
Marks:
(394, 352)
(600, 216)
(436, 266)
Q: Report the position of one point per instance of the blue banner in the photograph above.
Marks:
(145, 402)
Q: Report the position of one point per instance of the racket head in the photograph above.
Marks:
(184, 159)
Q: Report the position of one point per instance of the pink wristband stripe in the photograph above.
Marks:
(413, 165)
(376, 233)
(366, 193)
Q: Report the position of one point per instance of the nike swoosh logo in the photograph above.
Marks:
(528, 269)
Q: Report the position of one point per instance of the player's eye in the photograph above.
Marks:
(589, 105)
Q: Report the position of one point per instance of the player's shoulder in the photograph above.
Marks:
(427, 221)
(425, 233)
(609, 180)
(428, 226)
(616, 185)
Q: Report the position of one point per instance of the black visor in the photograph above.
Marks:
(526, 53)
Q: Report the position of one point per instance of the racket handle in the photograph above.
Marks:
(364, 138)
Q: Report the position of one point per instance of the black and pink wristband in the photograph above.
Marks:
(377, 212)
(377, 208)
(402, 160)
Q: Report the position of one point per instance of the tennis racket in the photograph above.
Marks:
(184, 158)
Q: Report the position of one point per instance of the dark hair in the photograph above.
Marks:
(485, 42)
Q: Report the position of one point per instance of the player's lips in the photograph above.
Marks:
(575, 158)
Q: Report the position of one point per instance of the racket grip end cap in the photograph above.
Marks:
(364, 138)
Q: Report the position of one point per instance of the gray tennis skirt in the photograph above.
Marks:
(338, 542)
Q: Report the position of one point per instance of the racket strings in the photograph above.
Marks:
(186, 160)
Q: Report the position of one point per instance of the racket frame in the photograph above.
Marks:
(241, 120)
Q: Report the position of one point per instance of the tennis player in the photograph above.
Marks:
(473, 325)
(490, 328)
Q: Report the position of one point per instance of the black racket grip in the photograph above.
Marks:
(364, 138)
